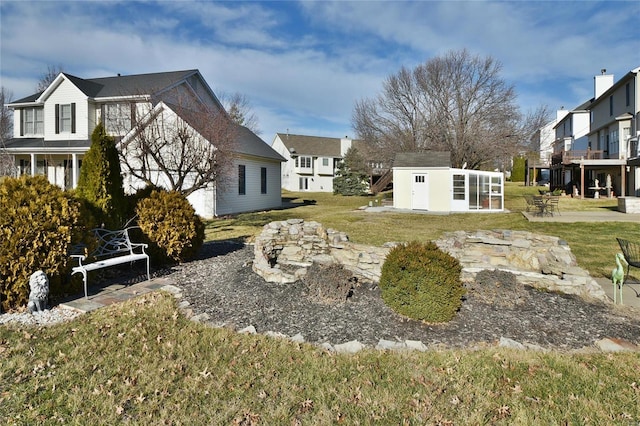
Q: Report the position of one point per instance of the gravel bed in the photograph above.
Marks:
(222, 284)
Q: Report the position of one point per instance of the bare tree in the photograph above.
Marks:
(240, 110)
(456, 102)
(181, 146)
(6, 132)
(48, 76)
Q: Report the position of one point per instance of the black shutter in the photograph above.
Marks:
(133, 115)
(73, 117)
(57, 118)
(21, 121)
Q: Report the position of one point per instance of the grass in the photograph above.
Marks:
(142, 362)
(593, 244)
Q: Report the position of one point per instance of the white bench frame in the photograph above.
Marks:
(114, 248)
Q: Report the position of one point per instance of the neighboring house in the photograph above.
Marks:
(426, 181)
(311, 161)
(543, 144)
(52, 132)
(601, 145)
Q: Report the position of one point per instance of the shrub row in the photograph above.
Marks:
(40, 223)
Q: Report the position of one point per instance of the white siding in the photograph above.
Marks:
(229, 201)
(289, 177)
(66, 93)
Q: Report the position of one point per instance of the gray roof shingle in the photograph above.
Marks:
(311, 145)
(124, 85)
(423, 159)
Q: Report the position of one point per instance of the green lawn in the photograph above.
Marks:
(142, 362)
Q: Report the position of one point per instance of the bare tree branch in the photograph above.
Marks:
(457, 102)
(240, 110)
(48, 76)
(7, 166)
(183, 146)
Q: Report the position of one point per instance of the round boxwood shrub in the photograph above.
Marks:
(38, 224)
(422, 282)
(169, 222)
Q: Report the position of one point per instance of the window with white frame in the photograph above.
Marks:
(459, 187)
(65, 118)
(305, 162)
(117, 118)
(32, 121)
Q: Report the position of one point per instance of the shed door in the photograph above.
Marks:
(420, 191)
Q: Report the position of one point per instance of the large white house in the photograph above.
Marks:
(52, 132)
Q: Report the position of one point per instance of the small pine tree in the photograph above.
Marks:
(518, 169)
(351, 178)
(100, 181)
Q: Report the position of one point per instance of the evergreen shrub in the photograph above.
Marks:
(100, 181)
(422, 282)
(171, 224)
(38, 224)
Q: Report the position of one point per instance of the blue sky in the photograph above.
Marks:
(304, 64)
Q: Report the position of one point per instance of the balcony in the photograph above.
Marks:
(568, 157)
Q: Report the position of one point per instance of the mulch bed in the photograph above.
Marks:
(222, 284)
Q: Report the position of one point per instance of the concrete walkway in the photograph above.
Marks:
(585, 216)
(100, 297)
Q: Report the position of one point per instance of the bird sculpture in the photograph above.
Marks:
(617, 276)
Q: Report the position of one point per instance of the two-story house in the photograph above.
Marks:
(614, 132)
(312, 161)
(52, 132)
(594, 146)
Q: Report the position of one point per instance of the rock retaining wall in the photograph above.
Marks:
(539, 261)
(286, 249)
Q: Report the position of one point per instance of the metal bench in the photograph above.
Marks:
(631, 252)
(114, 248)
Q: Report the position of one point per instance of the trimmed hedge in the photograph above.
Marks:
(38, 224)
(170, 223)
(422, 282)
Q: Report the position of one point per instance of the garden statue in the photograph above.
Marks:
(39, 284)
(617, 277)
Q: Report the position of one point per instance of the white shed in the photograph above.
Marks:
(426, 181)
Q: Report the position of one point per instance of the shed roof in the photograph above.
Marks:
(423, 159)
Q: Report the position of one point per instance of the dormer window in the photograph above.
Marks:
(32, 122)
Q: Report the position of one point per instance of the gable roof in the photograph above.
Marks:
(251, 144)
(311, 145)
(246, 142)
(122, 85)
(423, 159)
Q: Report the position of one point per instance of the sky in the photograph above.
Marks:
(303, 65)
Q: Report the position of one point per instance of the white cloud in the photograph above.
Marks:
(304, 64)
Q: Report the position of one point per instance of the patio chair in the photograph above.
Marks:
(541, 206)
(530, 204)
(631, 253)
(553, 205)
